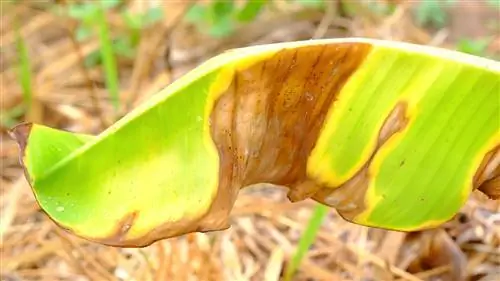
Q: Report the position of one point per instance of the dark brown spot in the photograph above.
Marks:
(462, 218)
(122, 228)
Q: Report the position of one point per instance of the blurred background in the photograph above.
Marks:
(81, 65)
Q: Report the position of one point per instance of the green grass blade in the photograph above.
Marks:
(251, 10)
(307, 239)
(24, 67)
(108, 57)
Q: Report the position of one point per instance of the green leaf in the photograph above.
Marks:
(83, 32)
(222, 27)
(221, 9)
(138, 21)
(196, 13)
(82, 11)
(153, 15)
(133, 21)
(222, 21)
(383, 9)
(124, 47)
(474, 47)
(251, 10)
(50, 153)
(93, 59)
(312, 3)
(109, 4)
(217, 18)
(10, 117)
(431, 12)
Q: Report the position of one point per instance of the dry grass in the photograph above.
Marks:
(265, 229)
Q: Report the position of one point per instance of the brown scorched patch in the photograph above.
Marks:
(348, 199)
(121, 237)
(487, 177)
(268, 120)
(20, 134)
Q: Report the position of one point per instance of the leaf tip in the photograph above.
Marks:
(20, 133)
(487, 178)
(491, 188)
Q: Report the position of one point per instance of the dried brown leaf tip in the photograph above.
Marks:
(487, 179)
(20, 134)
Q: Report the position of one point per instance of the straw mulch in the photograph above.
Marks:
(265, 227)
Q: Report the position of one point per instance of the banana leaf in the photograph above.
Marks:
(392, 135)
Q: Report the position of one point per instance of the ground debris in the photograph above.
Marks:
(265, 229)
